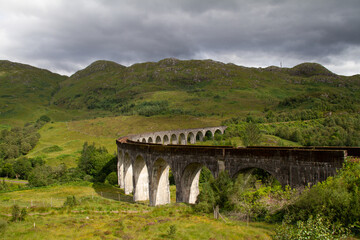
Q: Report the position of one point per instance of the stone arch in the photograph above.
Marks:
(218, 131)
(143, 140)
(217, 134)
(166, 140)
(199, 136)
(190, 182)
(141, 179)
(208, 135)
(182, 139)
(191, 138)
(174, 139)
(128, 174)
(150, 140)
(160, 186)
(158, 140)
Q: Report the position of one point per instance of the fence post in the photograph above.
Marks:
(216, 212)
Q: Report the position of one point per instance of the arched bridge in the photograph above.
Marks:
(143, 166)
(181, 137)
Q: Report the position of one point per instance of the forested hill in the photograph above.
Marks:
(204, 87)
(172, 86)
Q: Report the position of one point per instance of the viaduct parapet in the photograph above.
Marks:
(144, 162)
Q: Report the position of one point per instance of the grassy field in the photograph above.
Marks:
(61, 142)
(100, 215)
(58, 144)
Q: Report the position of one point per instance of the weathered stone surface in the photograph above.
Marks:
(144, 167)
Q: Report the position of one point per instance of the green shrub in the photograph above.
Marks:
(318, 228)
(17, 213)
(214, 192)
(8, 170)
(251, 135)
(205, 175)
(112, 178)
(206, 199)
(41, 176)
(152, 108)
(22, 167)
(54, 148)
(23, 214)
(172, 230)
(45, 118)
(337, 198)
(19, 141)
(3, 185)
(70, 201)
(93, 159)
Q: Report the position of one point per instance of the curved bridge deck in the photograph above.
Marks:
(143, 167)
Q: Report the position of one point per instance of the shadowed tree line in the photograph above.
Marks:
(19, 141)
(95, 164)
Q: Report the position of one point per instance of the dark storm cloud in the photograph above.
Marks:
(67, 35)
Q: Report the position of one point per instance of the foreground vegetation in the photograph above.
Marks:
(334, 205)
(97, 215)
(253, 197)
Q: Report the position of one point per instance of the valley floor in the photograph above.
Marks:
(100, 215)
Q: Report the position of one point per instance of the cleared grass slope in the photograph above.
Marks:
(63, 141)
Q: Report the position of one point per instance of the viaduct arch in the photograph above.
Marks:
(143, 164)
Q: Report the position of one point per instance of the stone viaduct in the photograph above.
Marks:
(144, 162)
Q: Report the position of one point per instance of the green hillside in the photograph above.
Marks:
(25, 90)
(170, 87)
(205, 88)
(26, 93)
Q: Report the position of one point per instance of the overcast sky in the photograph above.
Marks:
(67, 35)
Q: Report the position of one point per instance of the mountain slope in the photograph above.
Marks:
(171, 87)
(24, 88)
(202, 87)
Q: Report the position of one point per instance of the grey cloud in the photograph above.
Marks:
(65, 35)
